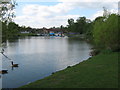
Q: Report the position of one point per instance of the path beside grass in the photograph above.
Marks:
(100, 71)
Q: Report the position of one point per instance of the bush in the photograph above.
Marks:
(106, 31)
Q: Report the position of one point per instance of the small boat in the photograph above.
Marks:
(65, 36)
(3, 71)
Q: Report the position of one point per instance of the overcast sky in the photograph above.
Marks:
(50, 13)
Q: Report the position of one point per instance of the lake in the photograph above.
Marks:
(38, 57)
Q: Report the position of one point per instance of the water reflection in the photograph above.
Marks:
(38, 57)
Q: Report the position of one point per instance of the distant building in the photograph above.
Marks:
(25, 32)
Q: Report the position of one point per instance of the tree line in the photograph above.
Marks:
(13, 31)
(103, 31)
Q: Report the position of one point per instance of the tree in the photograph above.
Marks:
(81, 24)
(6, 15)
(106, 31)
(71, 21)
(61, 27)
(71, 26)
(6, 10)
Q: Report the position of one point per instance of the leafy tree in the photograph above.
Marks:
(4, 31)
(6, 10)
(6, 15)
(71, 21)
(71, 24)
(81, 24)
(105, 32)
(89, 29)
(13, 29)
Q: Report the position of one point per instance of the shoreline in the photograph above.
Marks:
(84, 74)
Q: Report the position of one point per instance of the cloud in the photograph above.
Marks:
(44, 16)
(100, 13)
(88, 1)
(67, 0)
(36, 15)
(92, 4)
(42, 22)
(32, 9)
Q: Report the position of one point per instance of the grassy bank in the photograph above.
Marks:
(100, 71)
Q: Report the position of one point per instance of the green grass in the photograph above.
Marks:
(100, 71)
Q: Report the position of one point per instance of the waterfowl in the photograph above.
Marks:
(3, 71)
(14, 65)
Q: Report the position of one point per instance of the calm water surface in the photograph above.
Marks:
(38, 57)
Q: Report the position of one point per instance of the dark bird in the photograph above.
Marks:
(14, 65)
(3, 71)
